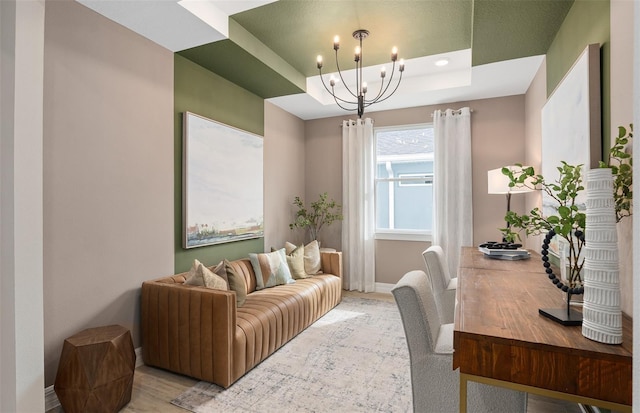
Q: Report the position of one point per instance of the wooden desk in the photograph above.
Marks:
(500, 339)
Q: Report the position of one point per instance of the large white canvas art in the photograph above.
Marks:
(571, 121)
(222, 183)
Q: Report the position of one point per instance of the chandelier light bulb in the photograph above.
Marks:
(383, 72)
(364, 87)
(402, 65)
(394, 54)
(357, 57)
(336, 42)
(319, 62)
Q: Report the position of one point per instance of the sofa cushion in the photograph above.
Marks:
(271, 269)
(236, 283)
(200, 275)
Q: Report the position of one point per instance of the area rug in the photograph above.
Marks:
(354, 359)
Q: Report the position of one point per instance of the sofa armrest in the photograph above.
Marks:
(189, 330)
(331, 263)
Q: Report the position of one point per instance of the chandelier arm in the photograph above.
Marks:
(342, 107)
(342, 79)
(376, 99)
(380, 92)
(391, 94)
(332, 93)
(324, 84)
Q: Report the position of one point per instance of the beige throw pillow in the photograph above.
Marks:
(221, 271)
(295, 260)
(312, 263)
(312, 258)
(202, 276)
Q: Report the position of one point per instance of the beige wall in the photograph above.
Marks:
(497, 136)
(21, 206)
(284, 177)
(534, 101)
(323, 170)
(108, 173)
(497, 133)
(622, 115)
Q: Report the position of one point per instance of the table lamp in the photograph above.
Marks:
(498, 183)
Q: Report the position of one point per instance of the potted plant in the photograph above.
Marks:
(569, 221)
(322, 212)
(621, 164)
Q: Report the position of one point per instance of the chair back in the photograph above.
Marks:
(443, 268)
(418, 311)
(444, 298)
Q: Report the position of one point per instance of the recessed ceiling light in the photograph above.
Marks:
(442, 62)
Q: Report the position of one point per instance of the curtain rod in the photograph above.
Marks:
(353, 121)
(457, 112)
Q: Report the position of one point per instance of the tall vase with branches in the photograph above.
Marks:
(320, 213)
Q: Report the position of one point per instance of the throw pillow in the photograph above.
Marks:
(312, 258)
(236, 283)
(289, 247)
(221, 271)
(202, 276)
(271, 269)
(295, 260)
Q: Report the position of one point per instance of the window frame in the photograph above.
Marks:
(399, 234)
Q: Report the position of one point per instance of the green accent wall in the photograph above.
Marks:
(587, 22)
(201, 91)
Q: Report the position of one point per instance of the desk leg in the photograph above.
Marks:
(463, 393)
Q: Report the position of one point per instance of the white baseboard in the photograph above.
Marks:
(384, 287)
(51, 398)
(139, 361)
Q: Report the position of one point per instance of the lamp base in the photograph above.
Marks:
(562, 316)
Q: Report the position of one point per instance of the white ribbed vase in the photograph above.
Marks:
(602, 315)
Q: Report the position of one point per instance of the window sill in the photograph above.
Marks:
(403, 236)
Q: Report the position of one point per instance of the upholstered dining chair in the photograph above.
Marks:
(435, 385)
(449, 281)
(442, 285)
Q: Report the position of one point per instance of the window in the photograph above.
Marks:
(404, 182)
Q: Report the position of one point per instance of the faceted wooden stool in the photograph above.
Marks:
(96, 368)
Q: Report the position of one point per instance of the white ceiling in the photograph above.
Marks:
(179, 25)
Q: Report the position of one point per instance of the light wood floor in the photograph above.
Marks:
(153, 389)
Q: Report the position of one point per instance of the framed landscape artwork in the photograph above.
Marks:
(571, 123)
(222, 183)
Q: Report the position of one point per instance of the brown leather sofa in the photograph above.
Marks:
(200, 332)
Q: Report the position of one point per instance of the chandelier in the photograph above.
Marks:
(360, 101)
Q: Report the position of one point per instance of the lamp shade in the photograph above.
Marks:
(498, 183)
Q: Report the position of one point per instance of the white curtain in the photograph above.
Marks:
(452, 183)
(358, 226)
